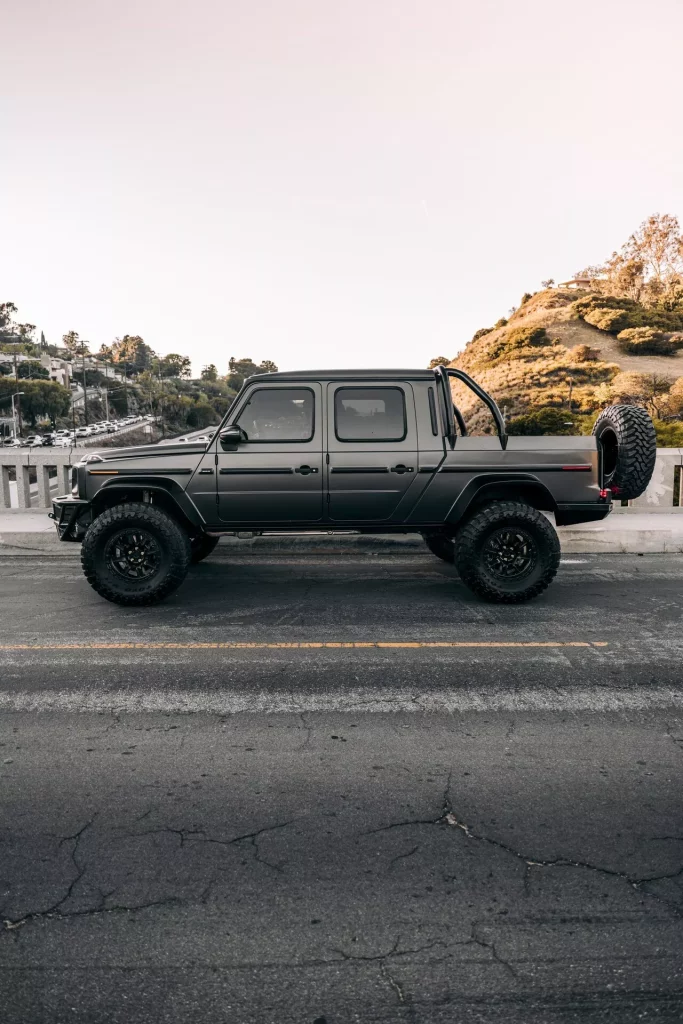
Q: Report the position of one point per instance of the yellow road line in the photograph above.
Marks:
(232, 645)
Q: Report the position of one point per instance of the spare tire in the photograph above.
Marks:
(628, 442)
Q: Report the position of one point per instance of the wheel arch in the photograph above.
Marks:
(500, 487)
(164, 494)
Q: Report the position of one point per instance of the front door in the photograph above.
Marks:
(276, 474)
(373, 450)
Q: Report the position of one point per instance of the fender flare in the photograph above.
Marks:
(476, 488)
(170, 488)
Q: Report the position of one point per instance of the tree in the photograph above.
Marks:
(439, 361)
(133, 352)
(646, 389)
(548, 283)
(240, 369)
(40, 398)
(210, 373)
(74, 344)
(174, 365)
(32, 369)
(658, 245)
(7, 311)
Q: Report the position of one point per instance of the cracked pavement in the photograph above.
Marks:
(358, 864)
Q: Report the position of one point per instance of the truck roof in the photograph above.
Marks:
(421, 374)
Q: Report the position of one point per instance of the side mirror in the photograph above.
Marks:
(232, 436)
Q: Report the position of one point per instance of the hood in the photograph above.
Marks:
(149, 451)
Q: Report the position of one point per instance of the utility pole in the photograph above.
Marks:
(85, 391)
(106, 402)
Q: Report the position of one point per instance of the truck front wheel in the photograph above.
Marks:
(135, 554)
(508, 552)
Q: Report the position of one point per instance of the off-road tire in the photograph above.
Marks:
(202, 546)
(528, 529)
(629, 449)
(441, 545)
(171, 541)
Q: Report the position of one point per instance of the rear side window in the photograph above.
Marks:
(370, 414)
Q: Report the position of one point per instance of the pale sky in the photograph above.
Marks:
(320, 183)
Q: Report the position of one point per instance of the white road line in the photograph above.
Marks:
(356, 700)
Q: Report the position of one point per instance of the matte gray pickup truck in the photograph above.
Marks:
(369, 451)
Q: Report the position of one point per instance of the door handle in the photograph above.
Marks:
(305, 470)
(401, 468)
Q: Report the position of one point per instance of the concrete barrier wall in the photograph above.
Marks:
(30, 477)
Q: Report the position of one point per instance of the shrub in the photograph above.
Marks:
(500, 323)
(521, 337)
(612, 320)
(525, 298)
(584, 354)
(541, 421)
(644, 341)
(669, 435)
(481, 332)
(512, 344)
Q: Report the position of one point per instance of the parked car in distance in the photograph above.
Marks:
(83, 432)
(11, 442)
(33, 441)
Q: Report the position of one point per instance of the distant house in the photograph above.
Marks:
(60, 370)
(576, 282)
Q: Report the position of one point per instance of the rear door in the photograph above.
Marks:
(372, 449)
(276, 474)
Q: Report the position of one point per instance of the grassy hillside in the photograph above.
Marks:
(547, 352)
(565, 353)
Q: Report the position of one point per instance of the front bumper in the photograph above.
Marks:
(71, 517)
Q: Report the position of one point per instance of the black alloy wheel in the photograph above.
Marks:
(133, 554)
(509, 553)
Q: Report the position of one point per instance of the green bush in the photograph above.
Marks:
(644, 341)
(481, 333)
(542, 421)
(669, 435)
(593, 308)
(513, 344)
(606, 319)
(500, 323)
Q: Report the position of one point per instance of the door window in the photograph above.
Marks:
(370, 414)
(278, 414)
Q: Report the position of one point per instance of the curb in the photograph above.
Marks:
(573, 540)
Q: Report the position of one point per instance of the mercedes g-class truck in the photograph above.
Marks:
(364, 451)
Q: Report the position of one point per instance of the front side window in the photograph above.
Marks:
(278, 414)
(370, 414)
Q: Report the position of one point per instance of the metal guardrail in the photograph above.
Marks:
(31, 477)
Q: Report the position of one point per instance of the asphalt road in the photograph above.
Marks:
(209, 811)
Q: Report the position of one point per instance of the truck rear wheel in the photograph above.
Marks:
(508, 552)
(135, 554)
(441, 545)
(629, 449)
(202, 546)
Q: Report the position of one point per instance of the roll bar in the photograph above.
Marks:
(442, 374)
